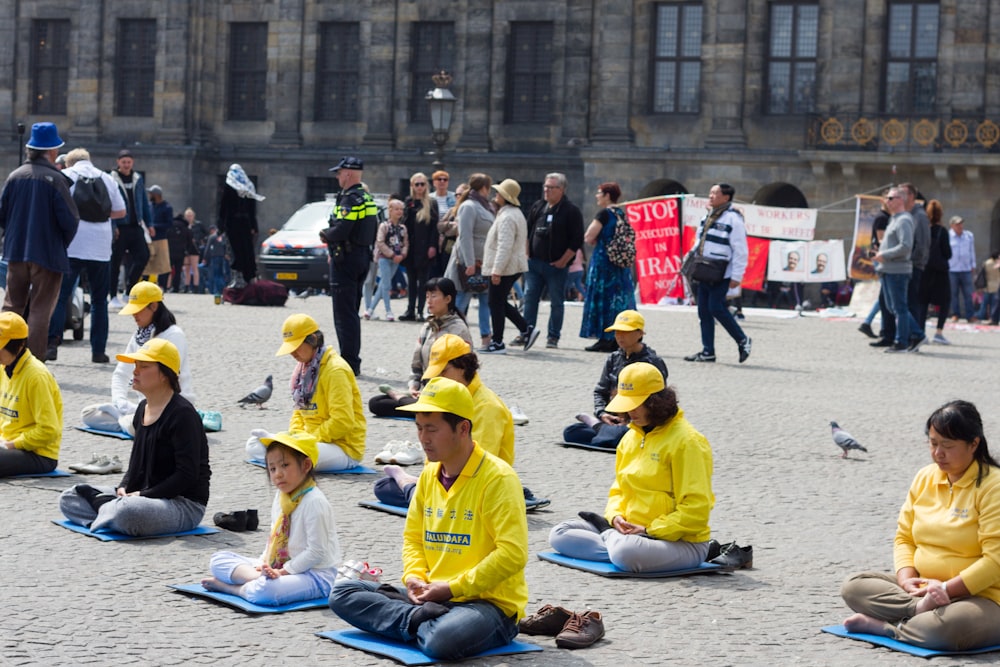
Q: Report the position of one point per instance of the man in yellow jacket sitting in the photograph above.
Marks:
(465, 544)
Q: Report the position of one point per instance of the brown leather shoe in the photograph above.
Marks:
(548, 621)
(581, 630)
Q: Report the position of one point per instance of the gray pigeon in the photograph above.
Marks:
(845, 440)
(258, 396)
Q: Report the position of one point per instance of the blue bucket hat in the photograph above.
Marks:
(44, 137)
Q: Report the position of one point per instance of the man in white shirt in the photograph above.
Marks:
(90, 253)
(961, 267)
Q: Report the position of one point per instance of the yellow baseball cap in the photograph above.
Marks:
(444, 349)
(12, 327)
(141, 295)
(628, 320)
(636, 383)
(443, 395)
(294, 331)
(159, 350)
(297, 440)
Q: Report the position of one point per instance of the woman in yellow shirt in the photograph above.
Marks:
(657, 513)
(946, 590)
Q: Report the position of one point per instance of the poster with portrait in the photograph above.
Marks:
(812, 262)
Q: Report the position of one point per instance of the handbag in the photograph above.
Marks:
(476, 283)
(700, 269)
(980, 281)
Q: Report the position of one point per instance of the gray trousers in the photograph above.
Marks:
(633, 553)
(133, 515)
(968, 623)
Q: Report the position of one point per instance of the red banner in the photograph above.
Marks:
(656, 222)
(753, 277)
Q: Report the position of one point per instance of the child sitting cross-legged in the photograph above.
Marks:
(302, 553)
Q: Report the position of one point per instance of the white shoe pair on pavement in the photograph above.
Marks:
(400, 452)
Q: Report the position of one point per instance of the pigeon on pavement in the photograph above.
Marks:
(258, 396)
(845, 440)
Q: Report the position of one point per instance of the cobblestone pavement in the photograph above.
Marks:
(780, 485)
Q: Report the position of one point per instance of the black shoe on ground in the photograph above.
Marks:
(915, 344)
(734, 556)
(602, 345)
(551, 343)
(714, 549)
(701, 357)
(882, 342)
(234, 521)
(897, 347)
(745, 349)
(100, 358)
(252, 520)
(408, 316)
(530, 337)
(595, 520)
(866, 329)
(52, 353)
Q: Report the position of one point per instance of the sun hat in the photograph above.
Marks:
(443, 395)
(12, 327)
(636, 383)
(44, 137)
(294, 331)
(297, 440)
(141, 295)
(159, 350)
(444, 349)
(509, 189)
(628, 320)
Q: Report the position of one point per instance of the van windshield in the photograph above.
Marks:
(312, 217)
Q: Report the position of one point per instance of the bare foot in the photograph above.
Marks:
(400, 476)
(211, 584)
(865, 624)
(934, 597)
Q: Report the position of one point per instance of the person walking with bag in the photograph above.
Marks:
(722, 237)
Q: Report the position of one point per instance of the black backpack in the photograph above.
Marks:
(92, 199)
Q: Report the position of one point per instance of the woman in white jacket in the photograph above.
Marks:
(153, 320)
(505, 258)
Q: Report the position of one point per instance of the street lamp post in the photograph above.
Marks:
(442, 105)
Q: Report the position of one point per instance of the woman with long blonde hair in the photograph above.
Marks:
(421, 220)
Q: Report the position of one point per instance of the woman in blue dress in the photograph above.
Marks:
(610, 289)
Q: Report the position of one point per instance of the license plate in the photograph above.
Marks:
(286, 276)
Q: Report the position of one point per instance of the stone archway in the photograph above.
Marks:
(662, 186)
(784, 195)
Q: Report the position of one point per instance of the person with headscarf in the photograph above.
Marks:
(238, 220)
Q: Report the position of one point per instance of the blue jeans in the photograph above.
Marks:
(988, 308)
(386, 267)
(542, 274)
(99, 277)
(462, 301)
(961, 285)
(469, 628)
(218, 280)
(712, 306)
(894, 288)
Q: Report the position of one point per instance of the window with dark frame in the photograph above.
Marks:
(911, 58)
(135, 67)
(529, 73)
(676, 67)
(337, 67)
(791, 67)
(432, 50)
(318, 187)
(49, 65)
(247, 98)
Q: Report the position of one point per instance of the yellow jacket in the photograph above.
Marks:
(336, 415)
(474, 536)
(663, 481)
(946, 529)
(31, 408)
(492, 423)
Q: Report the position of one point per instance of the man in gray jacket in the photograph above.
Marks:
(921, 249)
(894, 265)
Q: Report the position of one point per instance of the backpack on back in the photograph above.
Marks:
(621, 247)
(92, 199)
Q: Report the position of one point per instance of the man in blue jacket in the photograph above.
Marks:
(39, 219)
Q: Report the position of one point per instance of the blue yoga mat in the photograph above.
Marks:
(237, 602)
(896, 645)
(356, 470)
(121, 435)
(399, 419)
(119, 537)
(383, 507)
(593, 448)
(609, 570)
(53, 473)
(408, 654)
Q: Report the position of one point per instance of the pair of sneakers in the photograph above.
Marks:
(98, 465)
(400, 452)
(571, 630)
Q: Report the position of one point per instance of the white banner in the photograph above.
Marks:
(801, 262)
(767, 222)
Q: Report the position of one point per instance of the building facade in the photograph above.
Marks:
(794, 102)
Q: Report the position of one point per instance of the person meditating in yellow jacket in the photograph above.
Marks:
(465, 544)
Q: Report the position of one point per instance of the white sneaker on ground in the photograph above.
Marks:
(95, 458)
(520, 419)
(941, 340)
(115, 304)
(390, 449)
(408, 454)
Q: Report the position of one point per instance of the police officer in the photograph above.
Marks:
(349, 238)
